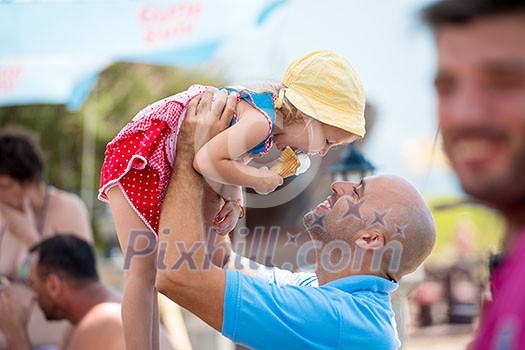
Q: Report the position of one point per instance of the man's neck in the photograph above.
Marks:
(324, 277)
(515, 221)
(88, 297)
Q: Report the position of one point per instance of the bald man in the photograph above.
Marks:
(366, 237)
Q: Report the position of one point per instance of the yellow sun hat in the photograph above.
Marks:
(325, 86)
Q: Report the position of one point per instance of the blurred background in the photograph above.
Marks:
(75, 72)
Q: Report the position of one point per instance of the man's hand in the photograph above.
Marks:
(206, 116)
(188, 286)
(14, 317)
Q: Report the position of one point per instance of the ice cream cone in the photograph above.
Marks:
(287, 164)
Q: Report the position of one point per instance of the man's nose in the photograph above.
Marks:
(469, 106)
(343, 187)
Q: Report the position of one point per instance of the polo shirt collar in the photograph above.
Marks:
(363, 282)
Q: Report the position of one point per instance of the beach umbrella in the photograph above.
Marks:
(53, 51)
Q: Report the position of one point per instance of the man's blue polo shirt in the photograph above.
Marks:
(349, 313)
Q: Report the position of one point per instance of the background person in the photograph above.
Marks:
(30, 210)
(480, 82)
(66, 286)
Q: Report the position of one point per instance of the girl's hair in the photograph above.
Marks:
(287, 110)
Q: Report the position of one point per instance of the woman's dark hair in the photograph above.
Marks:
(20, 157)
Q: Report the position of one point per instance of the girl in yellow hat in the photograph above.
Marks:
(320, 104)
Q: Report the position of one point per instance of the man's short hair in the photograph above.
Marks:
(20, 156)
(68, 256)
(446, 12)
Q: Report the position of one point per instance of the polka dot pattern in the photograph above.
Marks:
(140, 158)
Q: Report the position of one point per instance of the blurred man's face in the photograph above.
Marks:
(42, 296)
(481, 88)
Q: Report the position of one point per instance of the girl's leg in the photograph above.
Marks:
(139, 289)
(155, 329)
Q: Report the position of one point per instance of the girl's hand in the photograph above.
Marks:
(269, 181)
(226, 219)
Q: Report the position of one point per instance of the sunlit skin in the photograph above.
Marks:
(481, 89)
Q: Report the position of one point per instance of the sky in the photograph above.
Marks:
(394, 56)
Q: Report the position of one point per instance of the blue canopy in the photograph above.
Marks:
(52, 52)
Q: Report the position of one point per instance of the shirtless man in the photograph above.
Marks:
(63, 275)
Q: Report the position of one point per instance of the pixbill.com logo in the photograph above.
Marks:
(334, 256)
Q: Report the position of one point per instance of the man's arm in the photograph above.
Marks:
(185, 273)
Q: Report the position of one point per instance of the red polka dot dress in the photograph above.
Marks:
(140, 158)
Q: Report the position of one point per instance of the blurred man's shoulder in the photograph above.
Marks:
(103, 324)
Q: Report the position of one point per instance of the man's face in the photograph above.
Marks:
(44, 299)
(324, 222)
(353, 206)
(481, 88)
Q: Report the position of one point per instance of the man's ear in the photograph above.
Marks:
(54, 285)
(371, 239)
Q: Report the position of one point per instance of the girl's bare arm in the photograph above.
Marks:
(216, 160)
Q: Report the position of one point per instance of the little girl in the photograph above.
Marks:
(319, 104)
